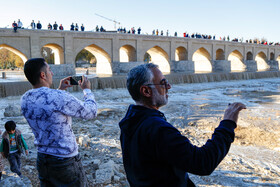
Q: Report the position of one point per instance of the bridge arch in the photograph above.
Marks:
(202, 60)
(181, 54)
(261, 61)
(220, 54)
(278, 60)
(14, 50)
(249, 55)
(127, 54)
(103, 60)
(236, 60)
(58, 52)
(159, 57)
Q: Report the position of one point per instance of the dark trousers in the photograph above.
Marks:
(58, 171)
(14, 160)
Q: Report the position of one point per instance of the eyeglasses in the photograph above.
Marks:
(164, 82)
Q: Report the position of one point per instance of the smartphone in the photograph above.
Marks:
(75, 79)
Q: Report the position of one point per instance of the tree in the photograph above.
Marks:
(147, 58)
(85, 57)
(48, 55)
(9, 60)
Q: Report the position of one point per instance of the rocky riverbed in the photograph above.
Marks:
(195, 109)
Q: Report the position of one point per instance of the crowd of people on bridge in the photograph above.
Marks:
(33, 25)
(55, 26)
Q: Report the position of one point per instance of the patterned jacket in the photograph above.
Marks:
(49, 113)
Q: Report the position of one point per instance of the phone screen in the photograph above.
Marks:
(75, 79)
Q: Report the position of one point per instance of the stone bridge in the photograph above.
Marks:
(116, 53)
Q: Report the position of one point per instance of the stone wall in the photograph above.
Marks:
(221, 66)
(182, 66)
(63, 70)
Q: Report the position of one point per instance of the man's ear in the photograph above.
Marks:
(146, 91)
(42, 75)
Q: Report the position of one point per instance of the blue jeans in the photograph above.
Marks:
(62, 172)
(14, 160)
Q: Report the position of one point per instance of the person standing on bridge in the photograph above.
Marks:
(61, 27)
(76, 27)
(49, 113)
(32, 24)
(82, 27)
(72, 27)
(15, 26)
(39, 25)
(49, 26)
(55, 25)
(154, 151)
(19, 24)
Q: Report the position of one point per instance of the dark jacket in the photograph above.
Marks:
(156, 154)
(39, 26)
(6, 143)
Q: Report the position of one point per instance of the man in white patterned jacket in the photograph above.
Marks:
(49, 113)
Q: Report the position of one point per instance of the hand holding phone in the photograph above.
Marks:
(74, 80)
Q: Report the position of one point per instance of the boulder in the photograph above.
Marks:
(12, 111)
(83, 140)
(104, 176)
(13, 180)
(106, 172)
(109, 113)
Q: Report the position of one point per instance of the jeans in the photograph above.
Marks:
(58, 171)
(14, 160)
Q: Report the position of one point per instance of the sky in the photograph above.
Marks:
(247, 19)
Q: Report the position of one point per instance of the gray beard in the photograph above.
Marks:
(159, 100)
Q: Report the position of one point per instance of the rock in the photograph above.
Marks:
(104, 176)
(14, 180)
(12, 111)
(109, 113)
(105, 173)
(29, 168)
(97, 123)
(19, 120)
(110, 164)
(116, 178)
(83, 140)
(29, 139)
(109, 129)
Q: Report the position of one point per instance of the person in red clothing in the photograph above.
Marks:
(60, 27)
(15, 26)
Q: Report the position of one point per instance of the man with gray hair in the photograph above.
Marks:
(154, 152)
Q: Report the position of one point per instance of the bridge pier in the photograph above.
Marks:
(221, 66)
(182, 66)
(274, 65)
(122, 68)
(251, 65)
(63, 70)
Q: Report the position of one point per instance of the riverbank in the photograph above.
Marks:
(195, 109)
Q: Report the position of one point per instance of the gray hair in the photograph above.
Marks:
(137, 77)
